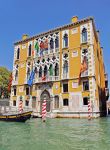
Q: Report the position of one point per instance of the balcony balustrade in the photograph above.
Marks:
(46, 79)
(65, 76)
(84, 74)
(14, 82)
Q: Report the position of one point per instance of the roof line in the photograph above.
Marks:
(54, 30)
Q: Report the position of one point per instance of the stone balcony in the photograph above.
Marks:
(65, 76)
(84, 74)
(14, 82)
(46, 79)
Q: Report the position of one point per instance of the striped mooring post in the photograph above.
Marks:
(20, 108)
(89, 110)
(44, 110)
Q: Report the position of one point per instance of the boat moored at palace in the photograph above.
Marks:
(17, 117)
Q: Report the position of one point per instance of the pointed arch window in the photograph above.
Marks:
(57, 70)
(65, 67)
(16, 73)
(84, 35)
(35, 71)
(65, 40)
(57, 42)
(51, 70)
(51, 44)
(40, 72)
(18, 53)
(30, 50)
(45, 71)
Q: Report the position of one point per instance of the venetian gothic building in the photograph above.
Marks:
(68, 71)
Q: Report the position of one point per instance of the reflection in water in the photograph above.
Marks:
(56, 134)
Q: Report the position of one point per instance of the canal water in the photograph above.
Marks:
(56, 134)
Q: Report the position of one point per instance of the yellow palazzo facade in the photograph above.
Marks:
(56, 57)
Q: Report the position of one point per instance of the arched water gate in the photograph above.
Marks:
(45, 95)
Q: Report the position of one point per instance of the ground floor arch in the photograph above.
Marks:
(45, 95)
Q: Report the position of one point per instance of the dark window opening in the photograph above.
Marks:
(14, 103)
(51, 44)
(65, 38)
(26, 103)
(85, 101)
(16, 75)
(65, 102)
(29, 54)
(18, 53)
(56, 70)
(14, 91)
(40, 72)
(27, 91)
(85, 85)
(57, 42)
(65, 87)
(45, 71)
(106, 84)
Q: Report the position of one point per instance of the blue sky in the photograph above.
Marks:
(34, 16)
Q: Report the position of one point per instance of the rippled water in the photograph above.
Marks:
(56, 134)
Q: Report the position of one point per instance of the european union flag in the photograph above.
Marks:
(30, 81)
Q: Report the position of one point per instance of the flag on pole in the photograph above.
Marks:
(33, 53)
(43, 78)
(37, 47)
(44, 110)
(30, 81)
(42, 45)
(46, 44)
(10, 83)
(84, 67)
(51, 70)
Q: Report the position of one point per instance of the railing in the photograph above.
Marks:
(47, 79)
(84, 74)
(14, 82)
(65, 76)
(49, 51)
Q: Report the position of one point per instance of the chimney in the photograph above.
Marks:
(25, 36)
(74, 19)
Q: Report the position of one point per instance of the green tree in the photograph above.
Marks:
(4, 81)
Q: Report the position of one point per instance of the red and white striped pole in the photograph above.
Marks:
(89, 110)
(44, 110)
(20, 106)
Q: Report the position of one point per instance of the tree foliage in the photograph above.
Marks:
(4, 81)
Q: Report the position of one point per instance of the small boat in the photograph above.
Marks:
(19, 117)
